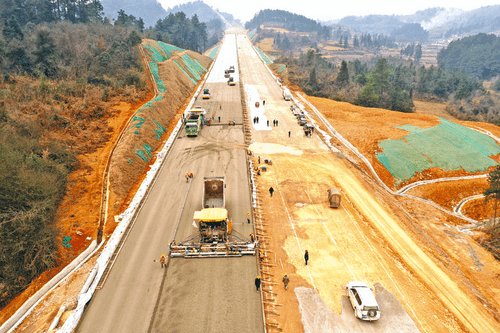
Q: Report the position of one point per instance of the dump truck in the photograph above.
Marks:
(231, 69)
(215, 236)
(231, 81)
(194, 121)
(206, 94)
(334, 197)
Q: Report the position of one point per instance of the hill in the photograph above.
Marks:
(285, 20)
(204, 12)
(438, 21)
(149, 10)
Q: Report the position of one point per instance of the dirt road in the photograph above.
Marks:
(370, 238)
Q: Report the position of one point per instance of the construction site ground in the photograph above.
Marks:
(353, 242)
(425, 247)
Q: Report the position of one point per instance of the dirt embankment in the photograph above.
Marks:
(79, 213)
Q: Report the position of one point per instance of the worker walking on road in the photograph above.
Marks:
(306, 256)
(286, 279)
(163, 261)
(271, 191)
(248, 217)
(187, 177)
(257, 282)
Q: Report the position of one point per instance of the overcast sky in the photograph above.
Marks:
(327, 9)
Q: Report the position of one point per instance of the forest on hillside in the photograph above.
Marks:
(389, 83)
(286, 20)
(477, 55)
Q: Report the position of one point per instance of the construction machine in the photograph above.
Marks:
(215, 236)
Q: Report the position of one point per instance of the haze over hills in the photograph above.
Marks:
(438, 22)
(151, 10)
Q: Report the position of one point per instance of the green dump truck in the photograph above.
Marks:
(194, 121)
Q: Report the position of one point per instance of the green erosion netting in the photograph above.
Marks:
(267, 58)
(147, 113)
(448, 146)
(281, 68)
(169, 48)
(155, 54)
(192, 66)
(182, 69)
(214, 52)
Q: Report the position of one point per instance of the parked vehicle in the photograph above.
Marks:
(363, 301)
(287, 95)
(231, 81)
(231, 69)
(334, 197)
(302, 121)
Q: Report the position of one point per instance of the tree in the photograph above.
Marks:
(12, 30)
(494, 190)
(418, 53)
(45, 54)
(343, 76)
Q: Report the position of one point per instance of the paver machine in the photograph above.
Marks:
(215, 236)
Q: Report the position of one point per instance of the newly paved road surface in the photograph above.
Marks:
(191, 295)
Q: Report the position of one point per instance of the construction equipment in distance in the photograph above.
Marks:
(231, 81)
(231, 69)
(194, 121)
(206, 94)
(215, 237)
(334, 197)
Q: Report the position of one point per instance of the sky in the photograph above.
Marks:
(325, 10)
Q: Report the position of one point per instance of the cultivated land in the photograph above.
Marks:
(429, 275)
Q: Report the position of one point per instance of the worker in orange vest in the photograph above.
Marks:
(163, 261)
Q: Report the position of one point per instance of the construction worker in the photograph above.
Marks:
(163, 261)
(286, 279)
(306, 257)
(271, 190)
(261, 255)
(187, 177)
(191, 175)
(248, 217)
(252, 237)
(257, 282)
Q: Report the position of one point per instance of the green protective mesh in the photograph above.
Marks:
(268, 59)
(153, 66)
(142, 154)
(194, 63)
(191, 66)
(138, 121)
(169, 48)
(159, 132)
(214, 52)
(281, 68)
(448, 146)
(182, 69)
(155, 54)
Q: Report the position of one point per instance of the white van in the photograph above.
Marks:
(363, 301)
(287, 95)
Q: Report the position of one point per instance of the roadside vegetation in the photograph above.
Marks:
(61, 71)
